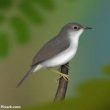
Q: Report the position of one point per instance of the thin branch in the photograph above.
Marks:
(62, 87)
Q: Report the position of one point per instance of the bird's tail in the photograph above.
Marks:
(32, 69)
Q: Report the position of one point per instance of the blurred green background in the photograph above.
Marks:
(25, 25)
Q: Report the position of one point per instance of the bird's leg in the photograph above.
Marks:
(67, 66)
(65, 76)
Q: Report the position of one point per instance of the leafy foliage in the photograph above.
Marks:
(4, 4)
(13, 12)
(32, 14)
(4, 45)
(46, 4)
(21, 29)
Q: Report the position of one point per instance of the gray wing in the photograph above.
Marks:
(50, 49)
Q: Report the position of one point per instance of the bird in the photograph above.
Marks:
(57, 51)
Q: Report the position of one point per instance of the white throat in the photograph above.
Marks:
(74, 37)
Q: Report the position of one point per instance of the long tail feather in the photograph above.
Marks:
(25, 77)
(32, 69)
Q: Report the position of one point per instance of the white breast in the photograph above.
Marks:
(66, 55)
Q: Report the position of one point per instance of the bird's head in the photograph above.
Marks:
(74, 29)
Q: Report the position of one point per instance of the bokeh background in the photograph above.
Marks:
(25, 25)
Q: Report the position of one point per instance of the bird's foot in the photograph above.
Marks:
(65, 76)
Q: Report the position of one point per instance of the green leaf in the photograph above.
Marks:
(46, 4)
(4, 45)
(30, 13)
(21, 30)
(2, 18)
(4, 4)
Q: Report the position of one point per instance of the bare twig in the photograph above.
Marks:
(62, 87)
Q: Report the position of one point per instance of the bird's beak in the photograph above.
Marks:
(88, 28)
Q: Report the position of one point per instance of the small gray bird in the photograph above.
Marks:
(59, 50)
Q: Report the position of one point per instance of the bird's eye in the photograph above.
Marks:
(75, 27)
